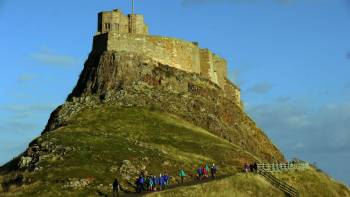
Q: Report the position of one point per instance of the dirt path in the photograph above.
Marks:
(188, 183)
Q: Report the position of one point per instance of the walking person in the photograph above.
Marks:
(154, 180)
(161, 182)
(116, 188)
(150, 183)
(255, 166)
(205, 173)
(246, 167)
(207, 169)
(156, 183)
(166, 180)
(139, 184)
(200, 172)
(213, 171)
(182, 175)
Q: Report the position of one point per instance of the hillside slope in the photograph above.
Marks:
(310, 183)
(100, 144)
(313, 182)
(132, 79)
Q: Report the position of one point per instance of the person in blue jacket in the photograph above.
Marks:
(155, 182)
(139, 184)
(200, 172)
(166, 179)
(161, 182)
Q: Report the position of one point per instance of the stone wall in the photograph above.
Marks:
(137, 25)
(220, 69)
(118, 22)
(118, 32)
(183, 55)
(170, 51)
(232, 91)
(207, 66)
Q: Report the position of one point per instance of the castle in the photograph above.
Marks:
(119, 32)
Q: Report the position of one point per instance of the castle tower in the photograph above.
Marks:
(116, 21)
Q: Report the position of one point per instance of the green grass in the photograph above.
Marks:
(314, 183)
(106, 136)
(240, 185)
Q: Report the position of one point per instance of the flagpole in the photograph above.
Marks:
(133, 8)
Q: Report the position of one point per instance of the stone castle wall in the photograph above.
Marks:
(177, 53)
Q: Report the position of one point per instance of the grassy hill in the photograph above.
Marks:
(100, 144)
(313, 182)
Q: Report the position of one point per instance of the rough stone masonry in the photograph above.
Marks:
(118, 32)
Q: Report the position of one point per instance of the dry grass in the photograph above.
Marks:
(313, 183)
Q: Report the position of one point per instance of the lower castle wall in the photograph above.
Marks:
(177, 53)
(220, 66)
(232, 91)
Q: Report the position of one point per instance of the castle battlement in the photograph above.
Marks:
(116, 21)
(118, 32)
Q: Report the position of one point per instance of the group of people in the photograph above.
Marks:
(154, 183)
(151, 182)
(201, 172)
(250, 167)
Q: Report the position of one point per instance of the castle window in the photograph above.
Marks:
(108, 26)
(116, 25)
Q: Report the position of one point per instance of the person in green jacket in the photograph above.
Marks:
(207, 169)
(182, 175)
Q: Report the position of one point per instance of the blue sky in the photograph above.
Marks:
(291, 59)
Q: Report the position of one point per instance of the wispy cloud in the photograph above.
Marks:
(325, 129)
(197, 2)
(18, 127)
(26, 77)
(261, 88)
(283, 99)
(26, 111)
(49, 58)
(200, 2)
(27, 108)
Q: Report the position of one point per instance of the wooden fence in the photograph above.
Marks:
(282, 167)
(283, 186)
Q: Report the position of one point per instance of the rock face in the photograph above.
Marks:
(132, 79)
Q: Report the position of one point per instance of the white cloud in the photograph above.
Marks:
(199, 2)
(261, 88)
(48, 58)
(18, 127)
(299, 145)
(27, 108)
(324, 129)
(26, 77)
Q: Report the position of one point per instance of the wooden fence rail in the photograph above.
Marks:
(283, 186)
(282, 167)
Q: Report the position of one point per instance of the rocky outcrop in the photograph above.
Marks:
(131, 79)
